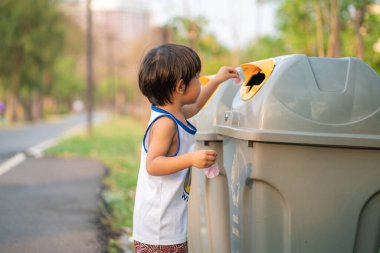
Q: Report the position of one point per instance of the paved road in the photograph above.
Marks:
(50, 205)
(19, 139)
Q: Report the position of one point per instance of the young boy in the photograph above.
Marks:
(168, 77)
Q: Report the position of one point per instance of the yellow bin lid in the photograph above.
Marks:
(256, 74)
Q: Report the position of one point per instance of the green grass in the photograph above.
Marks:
(117, 144)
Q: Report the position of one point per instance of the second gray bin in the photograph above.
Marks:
(302, 159)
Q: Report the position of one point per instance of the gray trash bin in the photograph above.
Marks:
(209, 223)
(302, 158)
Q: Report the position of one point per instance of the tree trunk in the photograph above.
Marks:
(89, 69)
(40, 108)
(15, 89)
(192, 34)
(14, 107)
(37, 105)
(319, 25)
(358, 21)
(334, 43)
(28, 110)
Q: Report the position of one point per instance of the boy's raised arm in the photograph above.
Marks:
(223, 74)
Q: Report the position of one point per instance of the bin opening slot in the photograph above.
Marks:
(256, 74)
(256, 79)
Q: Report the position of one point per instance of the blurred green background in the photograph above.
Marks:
(43, 47)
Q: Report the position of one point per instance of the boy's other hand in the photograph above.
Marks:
(225, 73)
(203, 158)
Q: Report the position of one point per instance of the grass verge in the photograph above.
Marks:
(117, 144)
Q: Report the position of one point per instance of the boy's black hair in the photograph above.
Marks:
(162, 68)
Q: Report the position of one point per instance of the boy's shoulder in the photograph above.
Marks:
(164, 123)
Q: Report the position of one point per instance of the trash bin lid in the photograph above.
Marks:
(311, 100)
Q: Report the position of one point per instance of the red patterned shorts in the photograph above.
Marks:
(147, 248)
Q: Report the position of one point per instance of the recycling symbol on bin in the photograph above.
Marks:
(235, 181)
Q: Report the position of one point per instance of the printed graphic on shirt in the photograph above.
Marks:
(187, 185)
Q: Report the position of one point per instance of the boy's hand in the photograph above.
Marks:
(225, 73)
(203, 158)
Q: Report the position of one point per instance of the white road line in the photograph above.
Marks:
(12, 162)
(37, 151)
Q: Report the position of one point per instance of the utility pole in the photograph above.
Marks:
(110, 44)
(89, 68)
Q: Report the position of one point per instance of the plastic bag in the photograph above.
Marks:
(212, 171)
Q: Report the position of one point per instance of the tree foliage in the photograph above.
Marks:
(325, 28)
(32, 41)
(191, 32)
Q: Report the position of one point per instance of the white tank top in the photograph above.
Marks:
(160, 212)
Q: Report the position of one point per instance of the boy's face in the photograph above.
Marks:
(193, 90)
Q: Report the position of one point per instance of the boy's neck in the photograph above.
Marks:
(174, 109)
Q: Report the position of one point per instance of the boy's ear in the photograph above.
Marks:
(180, 87)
